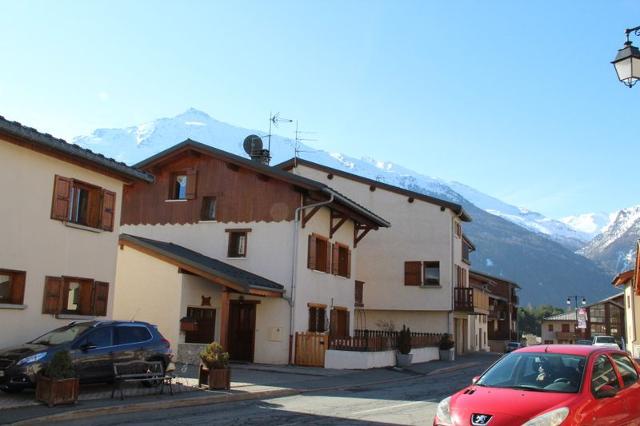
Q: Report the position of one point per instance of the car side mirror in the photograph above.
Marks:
(87, 347)
(475, 379)
(606, 391)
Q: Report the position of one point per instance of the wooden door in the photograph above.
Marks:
(310, 348)
(206, 319)
(242, 330)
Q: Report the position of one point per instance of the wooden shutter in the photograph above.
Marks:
(335, 259)
(17, 288)
(333, 322)
(85, 302)
(412, 272)
(51, 302)
(312, 319)
(311, 259)
(61, 198)
(108, 209)
(327, 266)
(348, 263)
(192, 181)
(100, 298)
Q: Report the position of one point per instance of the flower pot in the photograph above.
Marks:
(403, 360)
(219, 378)
(447, 354)
(54, 392)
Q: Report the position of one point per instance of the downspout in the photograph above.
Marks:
(294, 267)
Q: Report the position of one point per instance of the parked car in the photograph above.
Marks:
(606, 341)
(94, 346)
(512, 346)
(567, 385)
(584, 342)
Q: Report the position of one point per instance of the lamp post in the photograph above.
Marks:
(575, 299)
(627, 61)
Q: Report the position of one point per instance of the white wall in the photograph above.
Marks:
(41, 246)
(352, 360)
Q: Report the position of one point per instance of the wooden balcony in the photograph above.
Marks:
(467, 299)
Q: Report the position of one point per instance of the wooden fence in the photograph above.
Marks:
(378, 340)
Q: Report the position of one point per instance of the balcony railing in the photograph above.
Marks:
(468, 299)
(379, 340)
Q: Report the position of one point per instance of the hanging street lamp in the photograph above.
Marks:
(627, 61)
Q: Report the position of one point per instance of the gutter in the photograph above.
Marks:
(294, 266)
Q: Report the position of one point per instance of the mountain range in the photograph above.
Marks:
(550, 259)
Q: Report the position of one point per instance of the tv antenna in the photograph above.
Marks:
(300, 138)
(275, 120)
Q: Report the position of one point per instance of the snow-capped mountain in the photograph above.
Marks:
(523, 246)
(614, 248)
(590, 224)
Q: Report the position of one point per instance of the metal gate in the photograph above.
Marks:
(310, 349)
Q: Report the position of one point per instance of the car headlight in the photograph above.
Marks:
(443, 412)
(33, 358)
(552, 418)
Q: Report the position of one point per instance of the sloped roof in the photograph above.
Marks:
(245, 279)
(456, 208)
(623, 278)
(572, 314)
(492, 277)
(44, 142)
(270, 171)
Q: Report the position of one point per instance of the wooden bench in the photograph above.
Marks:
(140, 371)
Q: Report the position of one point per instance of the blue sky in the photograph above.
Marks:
(516, 99)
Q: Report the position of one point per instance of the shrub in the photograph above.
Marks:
(446, 342)
(404, 340)
(214, 356)
(60, 367)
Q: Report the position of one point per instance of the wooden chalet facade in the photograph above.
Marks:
(59, 232)
(416, 272)
(245, 223)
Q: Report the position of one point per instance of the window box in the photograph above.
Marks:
(188, 324)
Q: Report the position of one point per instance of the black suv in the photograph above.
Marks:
(94, 347)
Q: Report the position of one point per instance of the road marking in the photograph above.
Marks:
(389, 407)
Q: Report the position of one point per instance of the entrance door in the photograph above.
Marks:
(206, 320)
(242, 330)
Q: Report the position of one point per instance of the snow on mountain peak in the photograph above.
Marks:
(590, 223)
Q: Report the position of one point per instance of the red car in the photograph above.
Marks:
(550, 385)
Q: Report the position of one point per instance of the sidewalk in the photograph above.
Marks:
(249, 381)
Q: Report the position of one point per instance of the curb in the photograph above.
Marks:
(217, 399)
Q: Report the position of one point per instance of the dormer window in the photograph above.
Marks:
(179, 186)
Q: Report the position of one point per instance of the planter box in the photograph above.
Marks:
(447, 354)
(188, 325)
(220, 378)
(403, 360)
(54, 392)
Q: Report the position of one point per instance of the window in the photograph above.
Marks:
(12, 286)
(359, 296)
(627, 370)
(461, 276)
(341, 260)
(208, 208)
(78, 296)
(566, 328)
(100, 338)
(131, 334)
(603, 374)
(550, 327)
(319, 253)
(339, 322)
(237, 242)
(431, 273)
(182, 185)
(83, 204)
(317, 318)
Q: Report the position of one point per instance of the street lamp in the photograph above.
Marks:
(575, 299)
(627, 61)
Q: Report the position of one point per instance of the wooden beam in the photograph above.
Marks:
(264, 293)
(359, 232)
(224, 320)
(306, 216)
(333, 228)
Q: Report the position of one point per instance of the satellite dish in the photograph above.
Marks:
(252, 144)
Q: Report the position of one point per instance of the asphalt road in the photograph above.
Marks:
(410, 402)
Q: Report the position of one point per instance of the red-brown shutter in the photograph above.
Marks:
(17, 288)
(327, 266)
(412, 273)
(51, 303)
(61, 195)
(85, 302)
(348, 263)
(333, 322)
(100, 298)
(108, 209)
(311, 259)
(335, 259)
(192, 181)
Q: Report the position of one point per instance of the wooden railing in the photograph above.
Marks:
(469, 299)
(379, 340)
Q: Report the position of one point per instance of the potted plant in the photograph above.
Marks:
(57, 383)
(447, 352)
(403, 356)
(216, 360)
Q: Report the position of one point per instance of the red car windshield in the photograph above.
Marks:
(536, 372)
